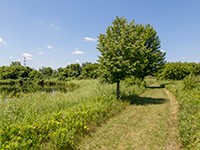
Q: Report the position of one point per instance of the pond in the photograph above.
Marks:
(15, 90)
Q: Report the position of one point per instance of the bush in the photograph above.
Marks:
(190, 82)
(175, 71)
(62, 129)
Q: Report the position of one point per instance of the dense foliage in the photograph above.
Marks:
(129, 49)
(90, 70)
(16, 73)
(179, 70)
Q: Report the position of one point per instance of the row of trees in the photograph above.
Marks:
(171, 70)
(17, 71)
(179, 70)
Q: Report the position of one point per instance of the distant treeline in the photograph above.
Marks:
(17, 72)
(179, 70)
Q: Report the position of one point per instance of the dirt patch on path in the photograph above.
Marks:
(174, 142)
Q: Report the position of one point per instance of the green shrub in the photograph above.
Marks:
(190, 82)
(175, 71)
(62, 129)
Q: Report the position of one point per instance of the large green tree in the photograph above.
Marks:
(128, 49)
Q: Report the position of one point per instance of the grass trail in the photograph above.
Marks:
(149, 123)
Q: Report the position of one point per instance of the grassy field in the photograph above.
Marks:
(90, 117)
(187, 92)
(58, 120)
(149, 123)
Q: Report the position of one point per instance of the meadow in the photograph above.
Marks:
(187, 92)
(58, 120)
(146, 124)
(87, 108)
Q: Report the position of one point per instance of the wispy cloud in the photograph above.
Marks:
(11, 57)
(49, 46)
(78, 52)
(40, 52)
(2, 41)
(77, 61)
(27, 56)
(54, 27)
(90, 39)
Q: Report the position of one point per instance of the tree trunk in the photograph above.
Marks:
(118, 90)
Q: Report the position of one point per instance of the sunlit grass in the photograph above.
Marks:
(57, 120)
(142, 125)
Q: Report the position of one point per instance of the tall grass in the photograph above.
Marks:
(188, 93)
(57, 120)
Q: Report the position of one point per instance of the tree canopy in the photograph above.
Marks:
(90, 70)
(129, 49)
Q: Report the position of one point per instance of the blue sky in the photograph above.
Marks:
(56, 33)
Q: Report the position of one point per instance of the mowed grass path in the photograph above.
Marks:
(149, 123)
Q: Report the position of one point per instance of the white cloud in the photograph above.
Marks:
(27, 56)
(77, 61)
(11, 57)
(54, 27)
(78, 52)
(49, 46)
(2, 41)
(90, 39)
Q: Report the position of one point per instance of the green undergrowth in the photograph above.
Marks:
(58, 120)
(187, 92)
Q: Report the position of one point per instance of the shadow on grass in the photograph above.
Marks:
(156, 86)
(137, 100)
